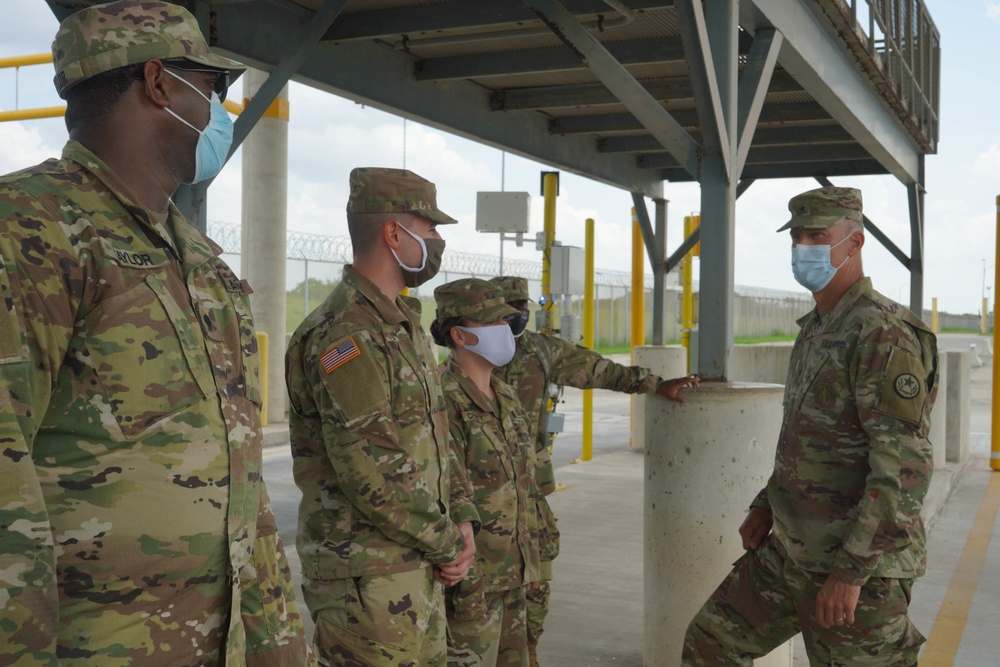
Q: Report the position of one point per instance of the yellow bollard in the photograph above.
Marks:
(935, 322)
(995, 420)
(588, 338)
(638, 324)
(691, 223)
(262, 355)
(550, 190)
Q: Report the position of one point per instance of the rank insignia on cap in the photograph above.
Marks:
(339, 354)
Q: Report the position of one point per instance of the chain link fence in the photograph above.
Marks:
(315, 263)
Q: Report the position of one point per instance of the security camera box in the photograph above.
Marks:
(507, 212)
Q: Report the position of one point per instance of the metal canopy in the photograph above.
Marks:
(496, 71)
(628, 92)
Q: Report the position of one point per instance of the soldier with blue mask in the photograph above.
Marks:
(835, 539)
(136, 529)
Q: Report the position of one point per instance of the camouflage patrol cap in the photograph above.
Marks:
(823, 207)
(473, 298)
(128, 32)
(514, 288)
(379, 190)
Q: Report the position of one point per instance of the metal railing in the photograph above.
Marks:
(903, 49)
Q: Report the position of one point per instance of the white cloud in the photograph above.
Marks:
(993, 10)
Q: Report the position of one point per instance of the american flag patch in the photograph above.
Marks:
(339, 355)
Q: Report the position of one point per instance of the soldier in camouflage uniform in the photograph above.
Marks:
(135, 528)
(490, 436)
(540, 360)
(385, 519)
(835, 539)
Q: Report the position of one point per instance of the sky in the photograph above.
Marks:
(328, 136)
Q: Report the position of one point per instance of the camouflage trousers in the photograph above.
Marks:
(392, 620)
(766, 600)
(497, 639)
(538, 599)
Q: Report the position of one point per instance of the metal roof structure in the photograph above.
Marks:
(633, 93)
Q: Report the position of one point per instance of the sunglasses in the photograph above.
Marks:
(220, 86)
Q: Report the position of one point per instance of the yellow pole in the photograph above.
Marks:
(22, 61)
(550, 190)
(983, 325)
(638, 324)
(687, 295)
(935, 321)
(32, 114)
(995, 421)
(588, 338)
(262, 354)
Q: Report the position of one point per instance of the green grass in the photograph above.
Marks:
(774, 338)
(961, 330)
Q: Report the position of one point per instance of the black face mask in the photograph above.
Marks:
(518, 323)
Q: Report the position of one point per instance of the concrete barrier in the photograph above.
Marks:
(667, 361)
(974, 360)
(939, 415)
(765, 362)
(958, 406)
(705, 461)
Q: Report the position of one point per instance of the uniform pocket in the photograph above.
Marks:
(147, 357)
(264, 607)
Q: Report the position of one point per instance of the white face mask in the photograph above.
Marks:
(496, 343)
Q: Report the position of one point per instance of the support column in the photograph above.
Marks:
(718, 201)
(659, 272)
(915, 195)
(265, 203)
(698, 483)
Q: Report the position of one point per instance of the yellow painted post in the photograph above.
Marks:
(588, 337)
(691, 223)
(550, 190)
(262, 355)
(984, 324)
(32, 114)
(935, 322)
(638, 324)
(995, 420)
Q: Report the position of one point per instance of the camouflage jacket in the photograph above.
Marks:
(135, 519)
(369, 437)
(853, 462)
(490, 440)
(543, 359)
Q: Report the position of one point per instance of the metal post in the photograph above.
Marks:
(718, 202)
(588, 338)
(307, 310)
(550, 190)
(659, 274)
(915, 192)
(638, 323)
(687, 300)
(995, 420)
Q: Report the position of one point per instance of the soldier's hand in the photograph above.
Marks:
(836, 602)
(670, 389)
(454, 571)
(756, 527)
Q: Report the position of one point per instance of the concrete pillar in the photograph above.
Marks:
(265, 197)
(957, 415)
(705, 461)
(939, 415)
(667, 361)
(765, 362)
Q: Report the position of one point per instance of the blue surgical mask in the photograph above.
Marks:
(213, 141)
(811, 264)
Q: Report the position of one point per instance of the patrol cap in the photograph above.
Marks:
(128, 32)
(823, 207)
(514, 288)
(472, 298)
(380, 190)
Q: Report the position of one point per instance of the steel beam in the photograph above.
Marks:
(548, 59)
(609, 71)
(765, 136)
(595, 94)
(704, 78)
(774, 155)
(260, 32)
(620, 122)
(646, 227)
(871, 227)
(684, 248)
(819, 60)
(459, 15)
(754, 84)
(915, 196)
(816, 169)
